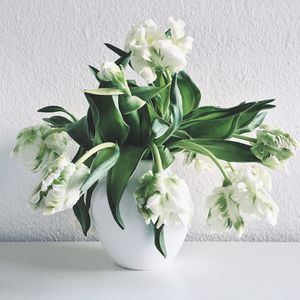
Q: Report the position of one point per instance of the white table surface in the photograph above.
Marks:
(201, 271)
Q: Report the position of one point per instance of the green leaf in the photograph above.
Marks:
(102, 163)
(167, 157)
(159, 240)
(207, 113)
(224, 150)
(124, 60)
(159, 127)
(176, 111)
(147, 92)
(189, 91)
(129, 104)
(82, 214)
(58, 121)
(104, 91)
(119, 176)
(256, 122)
(249, 115)
(115, 49)
(55, 108)
(79, 132)
(214, 129)
(108, 118)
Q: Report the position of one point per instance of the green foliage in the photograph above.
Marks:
(102, 163)
(119, 176)
(159, 239)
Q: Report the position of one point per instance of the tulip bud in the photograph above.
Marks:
(108, 71)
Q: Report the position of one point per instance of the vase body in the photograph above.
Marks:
(133, 247)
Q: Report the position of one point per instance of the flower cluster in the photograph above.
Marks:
(59, 189)
(273, 146)
(244, 198)
(153, 51)
(42, 148)
(37, 146)
(164, 199)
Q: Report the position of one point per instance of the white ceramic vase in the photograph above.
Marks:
(133, 247)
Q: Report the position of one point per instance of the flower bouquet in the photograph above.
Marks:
(129, 124)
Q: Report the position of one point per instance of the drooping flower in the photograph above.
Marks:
(246, 197)
(273, 146)
(251, 187)
(224, 212)
(37, 146)
(152, 50)
(60, 187)
(108, 71)
(164, 199)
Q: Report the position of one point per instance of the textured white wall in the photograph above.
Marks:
(244, 50)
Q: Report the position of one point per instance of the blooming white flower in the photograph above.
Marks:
(153, 51)
(251, 187)
(245, 198)
(224, 211)
(164, 199)
(273, 146)
(60, 187)
(108, 71)
(38, 145)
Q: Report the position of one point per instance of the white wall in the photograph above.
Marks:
(244, 50)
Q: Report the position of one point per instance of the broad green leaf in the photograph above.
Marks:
(207, 113)
(167, 157)
(224, 150)
(129, 104)
(104, 91)
(102, 163)
(176, 111)
(159, 239)
(89, 194)
(159, 127)
(189, 91)
(134, 135)
(58, 121)
(79, 132)
(108, 118)
(56, 108)
(119, 176)
(214, 129)
(249, 115)
(147, 92)
(82, 214)
(256, 122)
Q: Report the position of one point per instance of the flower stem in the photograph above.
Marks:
(198, 148)
(157, 164)
(245, 138)
(92, 151)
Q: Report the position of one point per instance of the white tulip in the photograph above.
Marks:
(108, 71)
(37, 146)
(178, 36)
(224, 211)
(251, 187)
(152, 51)
(60, 187)
(164, 199)
(273, 146)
